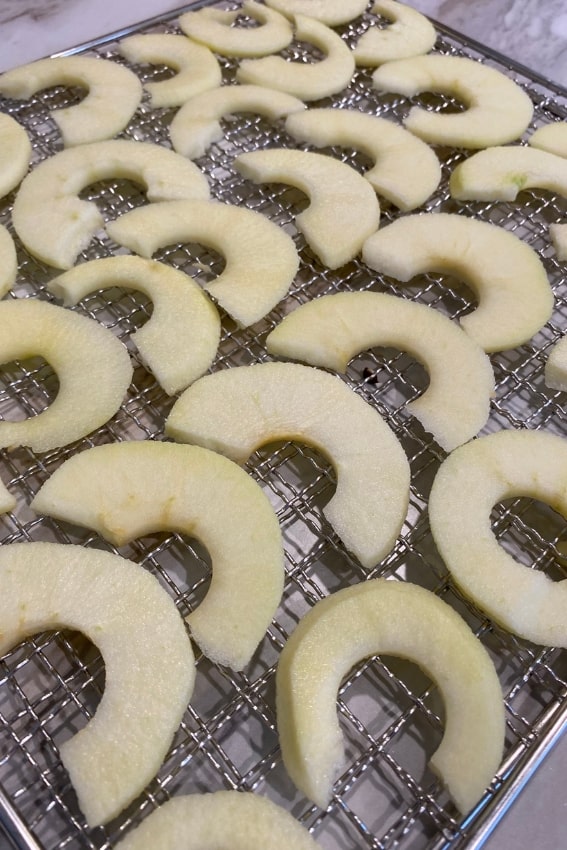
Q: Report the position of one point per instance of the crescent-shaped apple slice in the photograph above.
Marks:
(330, 330)
(515, 299)
(409, 34)
(473, 479)
(406, 170)
(126, 490)
(261, 260)
(556, 366)
(83, 355)
(15, 150)
(7, 501)
(8, 261)
(216, 29)
(56, 225)
(501, 173)
(498, 110)
(197, 124)
(236, 819)
(113, 96)
(236, 410)
(343, 210)
(551, 138)
(307, 81)
(148, 659)
(333, 13)
(180, 340)
(400, 619)
(196, 67)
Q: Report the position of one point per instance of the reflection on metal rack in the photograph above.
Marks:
(390, 712)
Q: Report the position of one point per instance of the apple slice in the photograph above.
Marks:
(216, 28)
(236, 410)
(473, 479)
(261, 260)
(307, 81)
(333, 13)
(7, 501)
(343, 209)
(551, 138)
(406, 171)
(16, 154)
(197, 124)
(148, 658)
(196, 67)
(409, 34)
(556, 366)
(8, 261)
(114, 93)
(180, 340)
(236, 819)
(83, 354)
(498, 110)
(401, 619)
(55, 225)
(129, 489)
(330, 330)
(515, 299)
(501, 173)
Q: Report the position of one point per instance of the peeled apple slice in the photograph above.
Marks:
(394, 618)
(148, 659)
(343, 209)
(93, 368)
(15, 154)
(261, 260)
(515, 299)
(126, 490)
(216, 28)
(238, 820)
(180, 340)
(551, 138)
(113, 94)
(556, 366)
(329, 331)
(406, 170)
(409, 34)
(236, 410)
(473, 479)
(333, 13)
(7, 501)
(55, 225)
(196, 67)
(498, 110)
(307, 81)
(501, 173)
(8, 261)
(197, 124)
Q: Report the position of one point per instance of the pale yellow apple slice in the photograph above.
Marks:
(343, 209)
(180, 340)
(406, 170)
(7, 501)
(551, 138)
(8, 261)
(331, 330)
(400, 619)
(56, 225)
(126, 490)
(498, 110)
(148, 660)
(556, 366)
(307, 81)
(470, 482)
(196, 67)
(236, 819)
(515, 299)
(218, 30)
(113, 94)
(409, 34)
(236, 410)
(15, 150)
(333, 13)
(261, 260)
(501, 173)
(197, 124)
(93, 368)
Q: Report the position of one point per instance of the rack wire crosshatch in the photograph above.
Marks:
(390, 712)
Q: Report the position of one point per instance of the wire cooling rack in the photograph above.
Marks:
(390, 713)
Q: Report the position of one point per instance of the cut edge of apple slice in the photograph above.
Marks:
(214, 28)
(551, 138)
(16, 154)
(400, 619)
(148, 658)
(556, 366)
(7, 501)
(8, 261)
(409, 34)
(333, 13)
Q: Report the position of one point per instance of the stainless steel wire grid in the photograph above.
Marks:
(390, 713)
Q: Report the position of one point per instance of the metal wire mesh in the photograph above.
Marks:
(390, 713)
